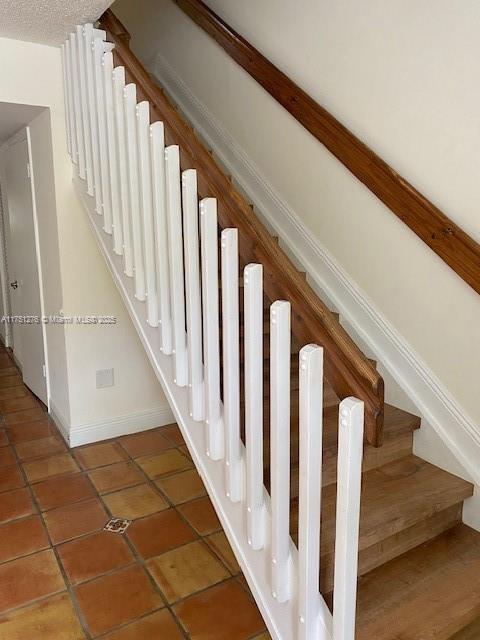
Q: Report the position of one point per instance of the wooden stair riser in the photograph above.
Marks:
(378, 554)
(470, 632)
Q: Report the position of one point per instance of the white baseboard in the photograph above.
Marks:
(60, 421)
(111, 428)
(436, 405)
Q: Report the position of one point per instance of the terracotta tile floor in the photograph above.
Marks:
(171, 575)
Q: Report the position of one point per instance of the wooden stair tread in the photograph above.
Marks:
(420, 489)
(396, 497)
(429, 593)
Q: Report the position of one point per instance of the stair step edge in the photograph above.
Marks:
(432, 590)
(395, 497)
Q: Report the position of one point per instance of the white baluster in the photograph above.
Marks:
(349, 478)
(193, 297)
(234, 468)
(76, 105)
(65, 98)
(121, 136)
(82, 64)
(253, 328)
(161, 235)
(280, 354)
(98, 51)
(175, 253)
(143, 139)
(211, 321)
(310, 466)
(70, 105)
(92, 115)
(130, 106)
(112, 153)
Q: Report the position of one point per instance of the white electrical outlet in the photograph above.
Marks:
(104, 378)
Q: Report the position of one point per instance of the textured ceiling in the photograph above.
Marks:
(46, 21)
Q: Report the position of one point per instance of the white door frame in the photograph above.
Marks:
(5, 293)
(39, 262)
(22, 135)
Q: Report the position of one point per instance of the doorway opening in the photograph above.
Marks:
(22, 307)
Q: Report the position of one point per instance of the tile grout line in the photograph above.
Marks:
(68, 587)
(137, 559)
(150, 482)
(200, 537)
(152, 581)
(130, 545)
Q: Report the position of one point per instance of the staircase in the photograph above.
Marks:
(412, 543)
(418, 573)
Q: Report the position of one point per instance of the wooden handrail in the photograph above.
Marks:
(442, 235)
(348, 371)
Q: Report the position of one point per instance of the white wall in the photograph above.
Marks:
(401, 75)
(75, 277)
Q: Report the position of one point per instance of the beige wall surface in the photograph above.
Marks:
(401, 75)
(76, 279)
